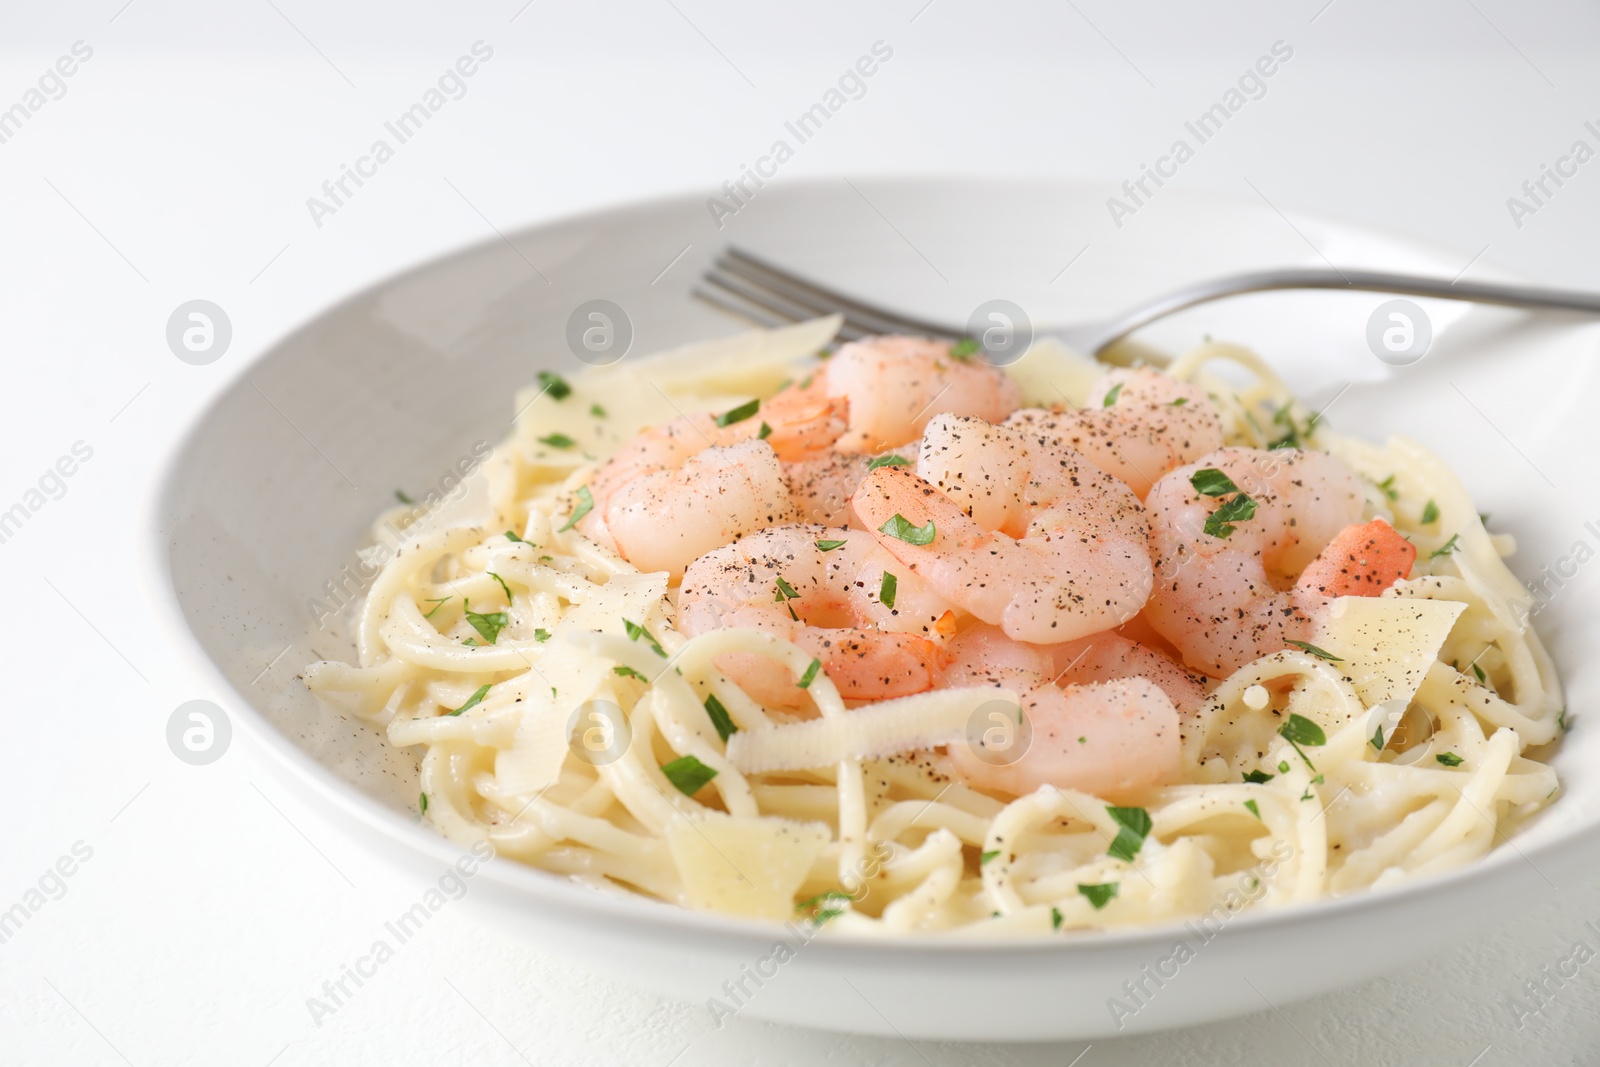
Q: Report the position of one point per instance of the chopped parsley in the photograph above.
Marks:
(1561, 720)
(739, 414)
(719, 717)
(688, 774)
(811, 674)
(1387, 486)
(1483, 679)
(487, 623)
(1283, 766)
(1212, 482)
(1220, 522)
(1377, 741)
(401, 496)
(585, 505)
(888, 461)
(964, 348)
(823, 904)
(900, 527)
(1133, 827)
(1055, 918)
(765, 431)
(554, 385)
(1430, 513)
(541, 635)
(1446, 548)
(511, 535)
(987, 856)
(506, 588)
(1111, 398)
(785, 593)
(635, 631)
(886, 590)
(829, 545)
(437, 604)
(1254, 809)
(1449, 759)
(1294, 436)
(422, 803)
(557, 440)
(597, 411)
(1307, 646)
(1178, 403)
(472, 701)
(1258, 777)
(1299, 730)
(625, 671)
(1099, 895)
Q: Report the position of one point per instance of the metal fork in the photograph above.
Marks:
(760, 290)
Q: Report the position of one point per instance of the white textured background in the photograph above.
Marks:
(176, 165)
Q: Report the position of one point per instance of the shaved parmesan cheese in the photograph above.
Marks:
(624, 596)
(1385, 644)
(554, 692)
(745, 866)
(756, 362)
(922, 721)
(1050, 373)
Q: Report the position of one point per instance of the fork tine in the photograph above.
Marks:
(876, 319)
(794, 308)
(758, 310)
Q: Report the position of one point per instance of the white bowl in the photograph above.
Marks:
(265, 502)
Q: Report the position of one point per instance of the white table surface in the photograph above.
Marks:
(176, 165)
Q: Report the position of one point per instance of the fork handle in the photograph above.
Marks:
(1524, 296)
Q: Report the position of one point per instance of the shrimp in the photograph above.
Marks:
(675, 491)
(1038, 541)
(821, 488)
(1231, 596)
(830, 601)
(894, 385)
(1102, 713)
(1137, 426)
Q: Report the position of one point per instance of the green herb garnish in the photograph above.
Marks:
(964, 348)
(422, 803)
(1178, 403)
(504, 587)
(1220, 522)
(784, 592)
(597, 411)
(1111, 398)
(1483, 679)
(1377, 741)
(1299, 730)
(720, 717)
(763, 433)
(557, 440)
(1430, 513)
(437, 604)
(900, 527)
(811, 674)
(1099, 895)
(739, 414)
(1446, 548)
(888, 461)
(1258, 777)
(541, 635)
(635, 631)
(886, 590)
(623, 670)
(1133, 826)
(472, 701)
(1449, 759)
(554, 385)
(511, 535)
(829, 546)
(1387, 485)
(987, 856)
(585, 505)
(1254, 809)
(1212, 482)
(401, 496)
(1055, 918)
(688, 774)
(1307, 646)
(487, 623)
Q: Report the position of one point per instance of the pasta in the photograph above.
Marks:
(560, 712)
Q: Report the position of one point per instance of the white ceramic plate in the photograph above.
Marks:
(264, 504)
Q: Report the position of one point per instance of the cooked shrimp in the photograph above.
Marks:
(894, 385)
(821, 488)
(1101, 657)
(661, 519)
(1038, 541)
(1228, 597)
(1108, 729)
(829, 601)
(680, 489)
(1137, 426)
